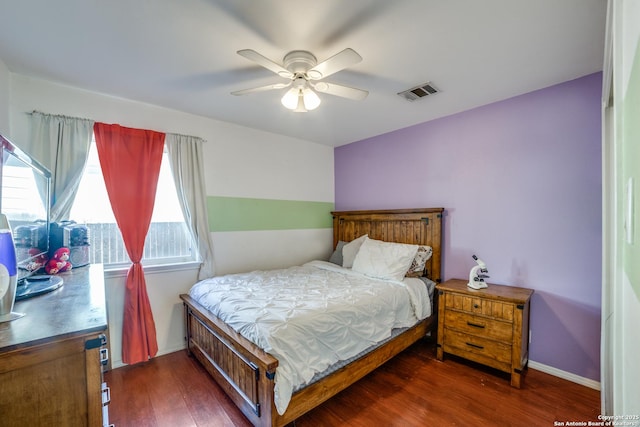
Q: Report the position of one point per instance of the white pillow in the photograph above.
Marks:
(384, 260)
(350, 250)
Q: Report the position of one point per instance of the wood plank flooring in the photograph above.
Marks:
(413, 389)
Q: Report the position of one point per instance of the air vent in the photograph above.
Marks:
(419, 92)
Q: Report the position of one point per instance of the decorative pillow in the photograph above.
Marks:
(422, 256)
(384, 260)
(350, 250)
(336, 256)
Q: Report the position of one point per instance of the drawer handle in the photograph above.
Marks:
(106, 396)
(104, 356)
(476, 306)
(475, 325)
(475, 346)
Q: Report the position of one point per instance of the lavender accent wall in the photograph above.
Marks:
(520, 180)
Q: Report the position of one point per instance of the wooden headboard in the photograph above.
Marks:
(413, 226)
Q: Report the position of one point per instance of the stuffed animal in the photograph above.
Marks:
(59, 262)
(38, 261)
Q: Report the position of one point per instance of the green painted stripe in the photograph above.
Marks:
(244, 214)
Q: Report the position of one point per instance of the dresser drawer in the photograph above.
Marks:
(480, 306)
(501, 352)
(479, 326)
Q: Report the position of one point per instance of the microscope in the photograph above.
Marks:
(478, 274)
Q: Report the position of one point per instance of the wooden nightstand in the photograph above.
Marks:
(489, 326)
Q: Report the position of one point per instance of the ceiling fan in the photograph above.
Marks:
(304, 74)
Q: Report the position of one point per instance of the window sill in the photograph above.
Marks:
(121, 271)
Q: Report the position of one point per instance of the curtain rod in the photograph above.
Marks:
(61, 116)
(186, 136)
(92, 120)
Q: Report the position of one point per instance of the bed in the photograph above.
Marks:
(247, 373)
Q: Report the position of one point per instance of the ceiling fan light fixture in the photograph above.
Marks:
(290, 98)
(311, 99)
(300, 108)
(300, 100)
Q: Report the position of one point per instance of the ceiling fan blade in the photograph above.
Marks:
(265, 62)
(337, 62)
(261, 89)
(342, 91)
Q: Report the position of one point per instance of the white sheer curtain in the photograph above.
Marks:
(187, 167)
(61, 144)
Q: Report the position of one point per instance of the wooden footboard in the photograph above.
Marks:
(246, 372)
(241, 368)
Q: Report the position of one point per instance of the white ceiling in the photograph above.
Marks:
(181, 54)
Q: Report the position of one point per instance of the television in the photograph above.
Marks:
(25, 201)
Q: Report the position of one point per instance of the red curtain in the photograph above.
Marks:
(130, 161)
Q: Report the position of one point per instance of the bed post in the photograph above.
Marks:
(185, 315)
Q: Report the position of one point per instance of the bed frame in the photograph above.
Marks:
(246, 372)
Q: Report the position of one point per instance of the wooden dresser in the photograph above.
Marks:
(51, 359)
(488, 326)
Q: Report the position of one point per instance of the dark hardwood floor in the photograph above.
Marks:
(413, 389)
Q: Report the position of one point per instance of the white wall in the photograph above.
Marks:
(5, 79)
(243, 162)
(239, 162)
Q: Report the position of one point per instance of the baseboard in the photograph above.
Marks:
(587, 382)
(115, 364)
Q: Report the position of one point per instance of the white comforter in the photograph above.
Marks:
(311, 316)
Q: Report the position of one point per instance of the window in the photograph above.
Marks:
(19, 202)
(168, 240)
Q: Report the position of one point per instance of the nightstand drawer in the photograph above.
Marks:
(476, 345)
(480, 306)
(479, 326)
